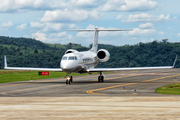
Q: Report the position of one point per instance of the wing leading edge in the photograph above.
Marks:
(133, 68)
(120, 69)
(26, 68)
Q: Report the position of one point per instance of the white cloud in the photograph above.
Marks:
(128, 5)
(161, 33)
(22, 5)
(101, 34)
(6, 25)
(146, 26)
(86, 34)
(145, 17)
(120, 16)
(178, 34)
(36, 25)
(69, 16)
(138, 5)
(39, 36)
(175, 18)
(83, 3)
(51, 27)
(21, 27)
(60, 37)
(145, 32)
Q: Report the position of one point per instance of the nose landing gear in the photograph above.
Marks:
(69, 79)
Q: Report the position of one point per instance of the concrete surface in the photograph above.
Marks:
(90, 108)
(85, 98)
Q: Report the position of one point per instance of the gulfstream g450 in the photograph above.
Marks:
(84, 62)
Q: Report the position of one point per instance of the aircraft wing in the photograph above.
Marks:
(33, 69)
(121, 69)
(131, 68)
(26, 68)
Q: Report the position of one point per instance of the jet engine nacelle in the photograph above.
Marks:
(71, 51)
(103, 55)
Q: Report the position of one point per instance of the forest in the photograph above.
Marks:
(27, 52)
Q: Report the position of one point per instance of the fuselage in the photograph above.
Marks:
(78, 61)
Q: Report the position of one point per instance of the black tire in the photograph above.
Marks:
(67, 82)
(99, 79)
(71, 79)
(102, 78)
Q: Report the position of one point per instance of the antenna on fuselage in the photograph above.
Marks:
(96, 30)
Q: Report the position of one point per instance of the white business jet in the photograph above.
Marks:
(85, 62)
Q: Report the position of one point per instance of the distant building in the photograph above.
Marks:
(74, 44)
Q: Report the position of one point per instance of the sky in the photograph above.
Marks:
(49, 20)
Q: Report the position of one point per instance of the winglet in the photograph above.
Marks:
(5, 62)
(175, 61)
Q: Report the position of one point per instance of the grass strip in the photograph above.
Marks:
(173, 89)
(14, 76)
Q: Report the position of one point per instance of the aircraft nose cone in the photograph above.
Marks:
(66, 67)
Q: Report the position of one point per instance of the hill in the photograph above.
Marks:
(27, 52)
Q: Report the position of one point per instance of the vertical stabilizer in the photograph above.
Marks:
(5, 62)
(95, 43)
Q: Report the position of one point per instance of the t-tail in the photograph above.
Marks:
(96, 31)
(95, 42)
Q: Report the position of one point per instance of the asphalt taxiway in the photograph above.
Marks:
(87, 99)
(123, 83)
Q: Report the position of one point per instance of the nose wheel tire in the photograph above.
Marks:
(69, 81)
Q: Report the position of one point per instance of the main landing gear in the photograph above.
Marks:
(101, 78)
(69, 79)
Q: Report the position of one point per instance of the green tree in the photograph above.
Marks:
(35, 51)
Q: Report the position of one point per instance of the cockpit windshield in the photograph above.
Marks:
(70, 58)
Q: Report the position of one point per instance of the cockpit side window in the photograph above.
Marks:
(71, 58)
(75, 58)
(64, 58)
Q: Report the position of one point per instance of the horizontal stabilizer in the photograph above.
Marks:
(105, 30)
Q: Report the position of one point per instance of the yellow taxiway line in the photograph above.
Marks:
(110, 87)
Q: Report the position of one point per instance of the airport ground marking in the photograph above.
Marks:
(50, 85)
(110, 87)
